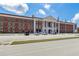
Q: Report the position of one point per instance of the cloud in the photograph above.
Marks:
(47, 6)
(12, 2)
(41, 11)
(75, 18)
(49, 11)
(17, 7)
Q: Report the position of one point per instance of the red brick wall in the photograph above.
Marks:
(5, 24)
(39, 24)
(27, 25)
(14, 25)
(68, 28)
(62, 28)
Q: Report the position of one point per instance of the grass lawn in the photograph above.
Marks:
(44, 40)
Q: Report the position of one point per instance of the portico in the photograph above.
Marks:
(47, 26)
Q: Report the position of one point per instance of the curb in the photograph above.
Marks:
(35, 41)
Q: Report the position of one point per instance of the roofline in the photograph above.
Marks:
(14, 15)
(25, 17)
(20, 15)
(66, 22)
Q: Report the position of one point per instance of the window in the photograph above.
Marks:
(49, 24)
(45, 23)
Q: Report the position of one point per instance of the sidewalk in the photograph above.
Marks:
(34, 37)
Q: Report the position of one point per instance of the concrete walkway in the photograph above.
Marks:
(14, 37)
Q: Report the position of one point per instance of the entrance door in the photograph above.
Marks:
(50, 31)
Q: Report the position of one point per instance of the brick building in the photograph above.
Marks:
(66, 27)
(13, 23)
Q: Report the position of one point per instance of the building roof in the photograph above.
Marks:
(66, 22)
(18, 16)
(48, 18)
(14, 16)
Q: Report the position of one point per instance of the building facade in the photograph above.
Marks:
(49, 25)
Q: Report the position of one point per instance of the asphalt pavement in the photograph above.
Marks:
(51, 48)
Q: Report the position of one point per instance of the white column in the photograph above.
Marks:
(47, 27)
(34, 26)
(52, 27)
(58, 27)
(43, 26)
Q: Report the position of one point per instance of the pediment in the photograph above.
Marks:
(50, 18)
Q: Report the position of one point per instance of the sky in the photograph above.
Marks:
(68, 12)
